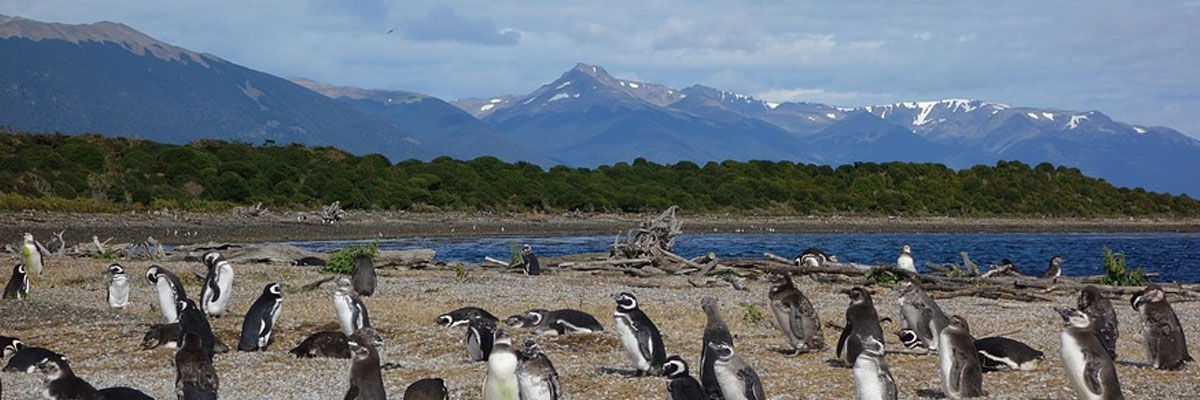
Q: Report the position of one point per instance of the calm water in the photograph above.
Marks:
(1176, 256)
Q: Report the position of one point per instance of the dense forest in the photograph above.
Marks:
(94, 173)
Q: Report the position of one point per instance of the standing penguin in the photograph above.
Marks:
(170, 292)
(536, 377)
(260, 320)
(920, 313)
(366, 382)
(796, 316)
(351, 312)
(905, 261)
(680, 384)
(872, 377)
(60, 383)
(501, 381)
(962, 376)
(480, 335)
(1054, 270)
(639, 335)
(191, 320)
(364, 276)
(861, 321)
(529, 261)
(715, 331)
(18, 285)
(1089, 369)
(1166, 346)
(1103, 316)
(31, 255)
(218, 285)
(195, 377)
(427, 389)
(738, 381)
(118, 286)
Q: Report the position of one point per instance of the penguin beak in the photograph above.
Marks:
(513, 320)
(1066, 313)
(616, 296)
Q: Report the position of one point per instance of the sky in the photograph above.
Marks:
(1137, 61)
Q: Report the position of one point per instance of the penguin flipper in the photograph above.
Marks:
(352, 392)
(646, 345)
(749, 378)
(956, 371)
(1092, 374)
(842, 340)
(213, 287)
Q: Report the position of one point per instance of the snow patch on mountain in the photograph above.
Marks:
(1075, 120)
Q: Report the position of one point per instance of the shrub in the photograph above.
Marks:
(342, 260)
(1116, 273)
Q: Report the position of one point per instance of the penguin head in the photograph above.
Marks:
(871, 345)
(151, 340)
(211, 258)
(709, 304)
(526, 249)
(499, 337)
(909, 338)
(530, 348)
(625, 301)
(1075, 318)
(152, 274)
(28, 237)
(12, 345)
(780, 277)
(1088, 296)
(368, 336)
(675, 367)
(529, 319)
(858, 295)
(958, 324)
(1056, 261)
(19, 270)
(116, 269)
(359, 351)
(1151, 294)
(445, 320)
(906, 249)
(273, 289)
(1005, 262)
(184, 305)
(344, 285)
(52, 368)
(723, 350)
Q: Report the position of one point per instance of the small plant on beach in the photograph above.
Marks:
(342, 260)
(515, 257)
(460, 272)
(886, 278)
(754, 314)
(1116, 273)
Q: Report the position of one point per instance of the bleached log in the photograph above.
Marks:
(497, 262)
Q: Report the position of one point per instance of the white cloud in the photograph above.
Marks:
(922, 36)
(818, 95)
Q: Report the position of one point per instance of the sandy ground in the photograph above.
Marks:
(67, 313)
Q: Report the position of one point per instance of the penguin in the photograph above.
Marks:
(195, 377)
(170, 292)
(811, 257)
(259, 323)
(910, 340)
(962, 376)
(1166, 345)
(1089, 368)
(715, 331)
(350, 309)
(680, 384)
(1003, 354)
(11, 345)
(31, 255)
(118, 286)
(427, 389)
(738, 381)
(1012, 268)
(366, 382)
(557, 322)
(905, 261)
(536, 377)
(326, 344)
(1055, 268)
(501, 381)
(218, 285)
(919, 313)
(462, 316)
(60, 383)
(639, 335)
(18, 285)
(364, 276)
(480, 334)
(192, 321)
(1103, 316)
(872, 377)
(861, 321)
(123, 393)
(164, 335)
(529, 261)
(796, 316)
(26, 358)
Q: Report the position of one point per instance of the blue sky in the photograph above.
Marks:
(1136, 61)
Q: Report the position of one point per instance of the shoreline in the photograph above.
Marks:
(190, 228)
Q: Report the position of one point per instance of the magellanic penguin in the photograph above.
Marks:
(872, 377)
(259, 323)
(1003, 354)
(536, 377)
(1166, 345)
(118, 286)
(162, 335)
(462, 316)
(480, 335)
(31, 255)
(1089, 369)
(1104, 318)
(796, 316)
(905, 261)
(25, 359)
(350, 309)
(529, 261)
(10, 346)
(191, 320)
(60, 383)
(861, 321)
(811, 257)
(557, 322)
(715, 331)
(218, 285)
(501, 381)
(326, 344)
(640, 336)
(427, 389)
(680, 384)
(123, 393)
(364, 276)
(366, 382)
(170, 292)
(920, 313)
(195, 377)
(18, 285)
(962, 376)
(738, 381)
(1054, 270)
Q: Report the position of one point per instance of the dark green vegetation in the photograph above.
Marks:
(92, 173)
(1117, 274)
(341, 261)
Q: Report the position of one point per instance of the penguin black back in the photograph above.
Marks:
(427, 389)
(162, 335)
(1163, 336)
(364, 276)
(480, 338)
(191, 320)
(62, 384)
(25, 359)
(327, 344)
(258, 326)
(861, 321)
(462, 316)
(18, 284)
(529, 261)
(366, 382)
(1104, 318)
(123, 393)
(715, 331)
(195, 377)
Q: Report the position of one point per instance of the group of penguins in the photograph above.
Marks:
(1088, 339)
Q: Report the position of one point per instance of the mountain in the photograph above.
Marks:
(109, 78)
(434, 123)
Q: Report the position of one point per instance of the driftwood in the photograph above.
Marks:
(332, 213)
(652, 238)
(256, 210)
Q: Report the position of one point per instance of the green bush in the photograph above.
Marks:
(1116, 273)
(754, 314)
(342, 260)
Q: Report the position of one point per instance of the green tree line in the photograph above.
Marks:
(94, 173)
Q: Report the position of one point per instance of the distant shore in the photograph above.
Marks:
(185, 228)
